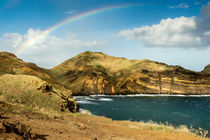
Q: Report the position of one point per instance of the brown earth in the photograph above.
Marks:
(21, 124)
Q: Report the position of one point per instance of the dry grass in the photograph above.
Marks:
(23, 89)
(169, 128)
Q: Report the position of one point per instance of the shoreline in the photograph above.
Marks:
(53, 125)
(144, 95)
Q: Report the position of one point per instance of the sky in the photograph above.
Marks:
(48, 32)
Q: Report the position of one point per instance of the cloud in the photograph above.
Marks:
(56, 48)
(181, 5)
(183, 32)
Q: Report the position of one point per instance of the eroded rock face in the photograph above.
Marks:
(96, 73)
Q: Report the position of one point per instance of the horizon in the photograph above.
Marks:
(173, 32)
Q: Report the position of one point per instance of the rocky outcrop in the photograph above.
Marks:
(97, 73)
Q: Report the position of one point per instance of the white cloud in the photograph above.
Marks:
(183, 32)
(56, 48)
(169, 32)
(181, 5)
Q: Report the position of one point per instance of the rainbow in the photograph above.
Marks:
(67, 21)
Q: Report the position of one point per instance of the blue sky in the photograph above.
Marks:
(175, 32)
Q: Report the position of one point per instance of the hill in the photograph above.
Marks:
(10, 64)
(29, 85)
(97, 73)
(207, 69)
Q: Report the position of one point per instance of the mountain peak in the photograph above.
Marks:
(207, 69)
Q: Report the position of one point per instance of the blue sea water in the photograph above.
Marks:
(176, 110)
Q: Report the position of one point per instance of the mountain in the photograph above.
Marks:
(97, 73)
(207, 69)
(31, 97)
(10, 64)
(27, 84)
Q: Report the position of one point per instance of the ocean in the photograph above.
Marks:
(176, 110)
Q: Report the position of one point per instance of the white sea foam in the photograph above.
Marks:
(150, 95)
(84, 111)
(85, 102)
(105, 99)
(92, 98)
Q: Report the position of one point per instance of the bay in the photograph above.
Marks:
(176, 110)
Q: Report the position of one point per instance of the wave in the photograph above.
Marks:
(92, 98)
(84, 111)
(85, 102)
(145, 95)
(105, 99)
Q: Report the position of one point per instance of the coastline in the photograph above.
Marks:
(146, 95)
(54, 125)
(104, 105)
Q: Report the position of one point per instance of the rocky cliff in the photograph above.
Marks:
(97, 73)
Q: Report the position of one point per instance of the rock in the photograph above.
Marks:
(18, 129)
(33, 136)
(73, 105)
(69, 104)
(82, 126)
(2, 128)
(23, 130)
